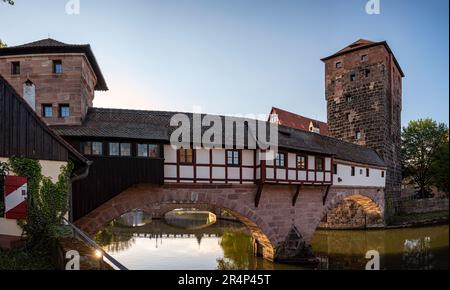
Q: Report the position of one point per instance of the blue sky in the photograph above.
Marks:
(241, 56)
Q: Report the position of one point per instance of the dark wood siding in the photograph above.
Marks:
(110, 176)
(22, 134)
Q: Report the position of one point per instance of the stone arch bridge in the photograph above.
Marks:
(282, 219)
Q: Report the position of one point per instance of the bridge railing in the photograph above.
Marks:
(85, 238)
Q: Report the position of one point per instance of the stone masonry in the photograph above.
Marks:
(365, 95)
(282, 231)
(74, 87)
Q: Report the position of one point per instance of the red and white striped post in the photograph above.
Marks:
(16, 191)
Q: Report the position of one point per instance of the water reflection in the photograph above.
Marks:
(227, 245)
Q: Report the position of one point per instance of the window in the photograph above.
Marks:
(319, 164)
(335, 169)
(114, 149)
(348, 98)
(339, 64)
(364, 57)
(97, 148)
(233, 157)
(353, 77)
(47, 111)
(154, 151)
(186, 156)
(280, 160)
(125, 149)
(15, 68)
(64, 111)
(142, 150)
(367, 73)
(57, 67)
(382, 174)
(148, 150)
(358, 135)
(301, 162)
(360, 172)
(86, 148)
(367, 172)
(353, 171)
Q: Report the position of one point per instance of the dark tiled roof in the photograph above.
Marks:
(53, 46)
(155, 125)
(362, 44)
(295, 121)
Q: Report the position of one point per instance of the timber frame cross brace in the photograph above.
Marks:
(259, 193)
(297, 193)
(327, 191)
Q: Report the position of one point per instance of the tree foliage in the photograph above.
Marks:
(2, 44)
(47, 201)
(440, 168)
(421, 142)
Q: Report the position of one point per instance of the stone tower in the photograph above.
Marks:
(58, 80)
(364, 103)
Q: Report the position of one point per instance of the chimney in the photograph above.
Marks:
(29, 94)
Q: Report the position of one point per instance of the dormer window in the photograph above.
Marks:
(15, 68)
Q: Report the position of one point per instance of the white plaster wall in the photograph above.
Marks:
(281, 174)
(186, 172)
(233, 173)
(219, 156)
(170, 171)
(302, 175)
(202, 172)
(344, 172)
(202, 156)
(218, 173)
(292, 159)
(170, 154)
(327, 164)
(247, 158)
(9, 228)
(247, 173)
(292, 175)
(311, 163)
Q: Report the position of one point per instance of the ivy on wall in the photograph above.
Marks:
(47, 201)
(4, 170)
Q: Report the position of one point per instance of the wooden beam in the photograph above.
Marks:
(326, 194)
(297, 193)
(259, 193)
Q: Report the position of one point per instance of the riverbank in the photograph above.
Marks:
(419, 219)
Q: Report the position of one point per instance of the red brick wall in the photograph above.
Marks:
(75, 86)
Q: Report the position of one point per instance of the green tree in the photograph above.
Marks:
(421, 140)
(2, 44)
(440, 168)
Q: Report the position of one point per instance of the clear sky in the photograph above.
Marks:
(240, 56)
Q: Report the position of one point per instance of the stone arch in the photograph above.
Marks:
(370, 203)
(160, 200)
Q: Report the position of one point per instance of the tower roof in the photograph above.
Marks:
(363, 44)
(49, 45)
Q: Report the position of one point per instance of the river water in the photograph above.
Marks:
(224, 245)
